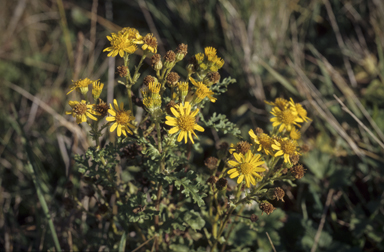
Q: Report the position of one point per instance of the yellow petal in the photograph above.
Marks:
(240, 179)
(237, 157)
(232, 171)
(119, 130)
(175, 112)
(234, 175)
(110, 118)
(198, 128)
(173, 130)
(233, 163)
(190, 137)
(279, 153)
(113, 127)
(116, 105)
(180, 136)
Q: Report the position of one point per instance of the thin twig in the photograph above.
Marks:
(359, 122)
(322, 221)
(139, 247)
(270, 241)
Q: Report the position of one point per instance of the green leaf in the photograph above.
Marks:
(194, 220)
(220, 123)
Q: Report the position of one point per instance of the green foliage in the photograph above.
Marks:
(220, 123)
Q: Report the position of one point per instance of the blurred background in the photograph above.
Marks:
(327, 55)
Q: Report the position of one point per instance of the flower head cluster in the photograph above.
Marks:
(184, 122)
(208, 61)
(151, 95)
(120, 44)
(122, 119)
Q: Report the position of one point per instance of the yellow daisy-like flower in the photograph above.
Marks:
(263, 140)
(202, 91)
(295, 134)
(150, 43)
(300, 110)
(132, 34)
(279, 102)
(183, 122)
(97, 87)
(120, 44)
(246, 167)
(285, 118)
(80, 86)
(121, 118)
(183, 88)
(285, 147)
(82, 110)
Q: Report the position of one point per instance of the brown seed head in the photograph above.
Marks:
(156, 62)
(267, 207)
(102, 108)
(294, 159)
(211, 163)
(122, 71)
(305, 148)
(254, 217)
(148, 79)
(170, 56)
(212, 180)
(298, 171)
(173, 78)
(150, 40)
(279, 194)
(211, 78)
(259, 131)
(243, 147)
(182, 49)
(221, 184)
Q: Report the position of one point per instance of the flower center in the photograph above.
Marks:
(122, 117)
(186, 122)
(80, 109)
(288, 147)
(120, 43)
(287, 117)
(246, 168)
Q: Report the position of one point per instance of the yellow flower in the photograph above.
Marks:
(80, 86)
(121, 118)
(80, 110)
(285, 118)
(183, 122)
(210, 52)
(263, 140)
(150, 43)
(295, 134)
(279, 102)
(132, 34)
(246, 167)
(120, 44)
(148, 102)
(285, 147)
(97, 87)
(199, 57)
(154, 87)
(300, 110)
(232, 148)
(202, 91)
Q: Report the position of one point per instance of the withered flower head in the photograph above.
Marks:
(211, 78)
(259, 131)
(221, 184)
(156, 62)
(294, 159)
(254, 217)
(305, 148)
(243, 147)
(266, 207)
(102, 108)
(122, 71)
(211, 163)
(212, 180)
(276, 193)
(181, 51)
(170, 56)
(298, 171)
(148, 79)
(173, 78)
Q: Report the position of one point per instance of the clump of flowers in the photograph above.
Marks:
(157, 132)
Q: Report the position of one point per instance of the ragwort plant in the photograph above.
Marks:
(165, 202)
